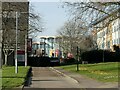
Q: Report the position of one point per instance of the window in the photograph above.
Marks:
(114, 28)
(103, 45)
(108, 44)
(119, 40)
(103, 34)
(117, 28)
(114, 41)
(21, 58)
(107, 31)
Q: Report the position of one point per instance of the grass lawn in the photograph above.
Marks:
(105, 72)
(10, 79)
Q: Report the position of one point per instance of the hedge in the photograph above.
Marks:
(96, 56)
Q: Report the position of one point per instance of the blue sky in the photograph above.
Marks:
(53, 16)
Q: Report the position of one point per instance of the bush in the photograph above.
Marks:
(68, 61)
(96, 56)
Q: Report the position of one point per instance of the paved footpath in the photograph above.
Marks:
(86, 82)
(49, 77)
(46, 77)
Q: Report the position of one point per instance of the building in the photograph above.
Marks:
(107, 35)
(48, 45)
(13, 19)
(116, 32)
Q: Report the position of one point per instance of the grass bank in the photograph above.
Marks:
(105, 72)
(10, 79)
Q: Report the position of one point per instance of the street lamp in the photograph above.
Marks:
(78, 52)
(16, 66)
(77, 58)
(103, 48)
(44, 47)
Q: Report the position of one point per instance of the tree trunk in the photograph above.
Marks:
(6, 59)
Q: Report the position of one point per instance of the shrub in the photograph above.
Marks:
(96, 56)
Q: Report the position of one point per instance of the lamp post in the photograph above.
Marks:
(44, 47)
(25, 50)
(103, 49)
(77, 58)
(78, 52)
(16, 66)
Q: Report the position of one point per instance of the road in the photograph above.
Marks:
(46, 77)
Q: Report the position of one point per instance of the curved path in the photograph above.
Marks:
(46, 77)
(49, 77)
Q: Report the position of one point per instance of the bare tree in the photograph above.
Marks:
(73, 34)
(35, 21)
(96, 15)
(93, 11)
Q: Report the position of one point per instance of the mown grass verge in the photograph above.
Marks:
(105, 72)
(10, 79)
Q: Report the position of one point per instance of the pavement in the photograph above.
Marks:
(46, 77)
(84, 81)
(58, 78)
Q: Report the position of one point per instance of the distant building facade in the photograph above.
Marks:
(107, 36)
(48, 45)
